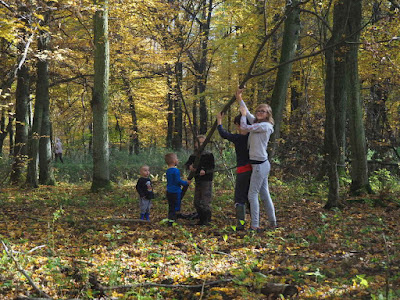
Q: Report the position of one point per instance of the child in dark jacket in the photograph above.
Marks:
(243, 167)
(145, 190)
(203, 175)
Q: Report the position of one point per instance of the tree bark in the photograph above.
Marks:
(46, 175)
(3, 129)
(134, 137)
(330, 130)
(134, 144)
(21, 124)
(178, 131)
(101, 169)
(170, 116)
(289, 45)
(340, 17)
(33, 145)
(359, 166)
(203, 63)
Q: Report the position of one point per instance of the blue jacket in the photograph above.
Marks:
(174, 181)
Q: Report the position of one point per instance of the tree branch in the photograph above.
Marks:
(319, 18)
(150, 284)
(22, 271)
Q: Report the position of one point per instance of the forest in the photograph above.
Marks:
(93, 90)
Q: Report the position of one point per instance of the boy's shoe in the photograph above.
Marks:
(141, 216)
(147, 216)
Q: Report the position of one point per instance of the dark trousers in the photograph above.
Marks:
(58, 155)
(172, 201)
(203, 196)
(242, 187)
(202, 201)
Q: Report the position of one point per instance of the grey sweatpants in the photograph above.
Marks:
(259, 185)
(145, 205)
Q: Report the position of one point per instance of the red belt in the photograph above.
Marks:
(243, 169)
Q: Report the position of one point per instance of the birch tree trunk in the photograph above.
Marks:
(101, 169)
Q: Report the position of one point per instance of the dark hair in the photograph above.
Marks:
(236, 120)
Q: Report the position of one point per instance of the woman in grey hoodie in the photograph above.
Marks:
(261, 128)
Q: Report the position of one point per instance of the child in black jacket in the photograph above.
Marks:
(203, 176)
(145, 190)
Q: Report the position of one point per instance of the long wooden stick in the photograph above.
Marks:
(22, 271)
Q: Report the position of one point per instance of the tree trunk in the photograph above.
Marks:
(330, 130)
(134, 137)
(134, 144)
(359, 167)
(3, 130)
(46, 175)
(33, 144)
(195, 115)
(340, 17)
(101, 169)
(201, 66)
(178, 131)
(21, 124)
(289, 45)
(170, 116)
(90, 146)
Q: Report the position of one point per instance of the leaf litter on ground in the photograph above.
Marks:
(77, 244)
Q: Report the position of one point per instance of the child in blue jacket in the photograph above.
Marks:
(174, 184)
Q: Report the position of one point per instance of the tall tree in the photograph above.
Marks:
(101, 169)
(46, 175)
(288, 50)
(178, 130)
(33, 141)
(199, 58)
(134, 136)
(4, 129)
(170, 115)
(331, 145)
(359, 167)
(21, 124)
(341, 85)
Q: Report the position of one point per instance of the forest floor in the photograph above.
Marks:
(76, 244)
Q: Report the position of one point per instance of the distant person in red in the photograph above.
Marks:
(58, 150)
